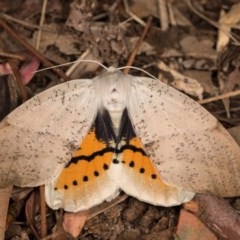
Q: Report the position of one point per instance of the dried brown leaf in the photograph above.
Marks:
(4, 200)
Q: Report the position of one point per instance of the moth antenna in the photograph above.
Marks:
(140, 69)
(69, 63)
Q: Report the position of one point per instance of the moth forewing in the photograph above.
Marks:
(190, 148)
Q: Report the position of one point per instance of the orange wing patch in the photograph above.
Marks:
(107, 162)
(141, 179)
(85, 181)
(135, 158)
(87, 164)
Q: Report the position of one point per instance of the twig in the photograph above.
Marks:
(17, 77)
(41, 57)
(105, 206)
(77, 62)
(139, 43)
(19, 57)
(133, 16)
(44, 6)
(42, 188)
(24, 23)
(43, 212)
(220, 97)
(163, 12)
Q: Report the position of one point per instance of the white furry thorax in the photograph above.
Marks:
(112, 91)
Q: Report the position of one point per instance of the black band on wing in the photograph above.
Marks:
(104, 131)
(91, 157)
(74, 160)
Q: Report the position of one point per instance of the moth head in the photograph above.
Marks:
(112, 90)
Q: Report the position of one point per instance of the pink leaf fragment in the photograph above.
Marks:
(74, 222)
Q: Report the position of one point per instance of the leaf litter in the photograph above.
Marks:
(106, 31)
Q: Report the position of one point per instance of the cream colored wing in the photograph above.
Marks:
(187, 144)
(86, 180)
(39, 137)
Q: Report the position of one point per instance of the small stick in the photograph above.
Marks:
(16, 75)
(24, 23)
(39, 33)
(220, 97)
(43, 212)
(163, 14)
(139, 43)
(12, 55)
(40, 56)
(42, 188)
(132, 15)
(105, 206)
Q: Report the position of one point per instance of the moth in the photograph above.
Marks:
(87, 139)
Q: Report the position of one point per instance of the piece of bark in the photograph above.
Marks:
(216, 213)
